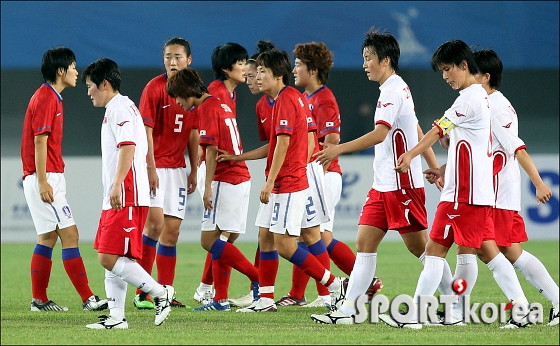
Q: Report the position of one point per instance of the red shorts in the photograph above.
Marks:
(402, 210)
(509, 227)
(468, 225)
(120, 232)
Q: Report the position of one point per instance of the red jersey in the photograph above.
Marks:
(171, 124)
(289, 117)
(312, 127)
(324, 108)
(44, 114)
(264, 116)
(218, 89)
(218, 127)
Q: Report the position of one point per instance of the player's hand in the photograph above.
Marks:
(265, 192)
(330, 152)
(435, 176)
(543, 193)
(191, 182)
(207, 199)
(223, 155)
(46, 192)
(115, 197)
(444, 141)
(403, 163)
(153, 179)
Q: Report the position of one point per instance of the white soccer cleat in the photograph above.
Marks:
(48, 306)
(442, 323)
(333, 317)
(108, 322)
(261, 305)
(391, 322)
(554, 316)
(203, 297)
(162, 304)
(317, 303)
(338, 295)
(95, 304)
(242, 302)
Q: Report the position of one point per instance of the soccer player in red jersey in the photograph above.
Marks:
(126, 197)
(227, 184)
(228, 64)
(44, 185)
(395, 201)
(171, 131)
(284, 196)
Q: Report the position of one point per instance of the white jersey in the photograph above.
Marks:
(123, 125)
(505, 143)
(395, 109)
(468, 175)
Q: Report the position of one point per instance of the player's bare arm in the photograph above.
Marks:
(330, 151)
(403, 163)
(334, 139)
(211, 155)
(431, 160)
(153, 178)
(282, 143)
(45, 189)
(192, 150)
(255, 154)
(543, 192)
(126, 155)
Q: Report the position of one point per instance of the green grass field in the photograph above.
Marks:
(398, 269)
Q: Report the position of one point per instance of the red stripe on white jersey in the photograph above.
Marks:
(404, 180)
(464, 173)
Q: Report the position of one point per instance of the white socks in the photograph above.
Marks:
(446, 285)
(506, 278)
(430, 277)
(115, 289)
(360, 279)
(534, 271)
(134, 274)
(466, 269)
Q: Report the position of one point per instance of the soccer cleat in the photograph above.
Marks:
(242, 302)
(162, 304)
(317, 303)
(554, 316)
(391, 322)
(108, 322)
(48, 306)
(143, 301)
(441, 322)
(203, 297)
(177, 304)
(214, 305)
(333, 317)
(337, 296)
(95, 304)
(288, 300)
(260, 305)
(375, 286)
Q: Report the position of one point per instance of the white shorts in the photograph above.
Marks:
(231, 204)
(201, 178)
(46, 216)
(316, 209)
(283, 212)
(333, 191)
(171, 195)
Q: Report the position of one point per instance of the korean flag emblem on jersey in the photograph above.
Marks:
(203, 132)
(309, 120)
(329, 124)
(283, 122)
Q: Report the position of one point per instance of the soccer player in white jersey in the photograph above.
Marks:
(508, 149)
(464, 213)
(395, 201)
(126, 197)
(171, 132)
(44, 184)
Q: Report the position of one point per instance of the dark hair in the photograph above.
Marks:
(225, 56)
(489, 62)
(185, 83)
(385, 46)
(317, 57)
(54, 59)
(454, 53)
(278, 62)
(180, 41)
(262, 46)
(103, 69)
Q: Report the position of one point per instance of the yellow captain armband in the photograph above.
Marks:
(445, 125)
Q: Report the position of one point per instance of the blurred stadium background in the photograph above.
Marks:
(525, 34)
